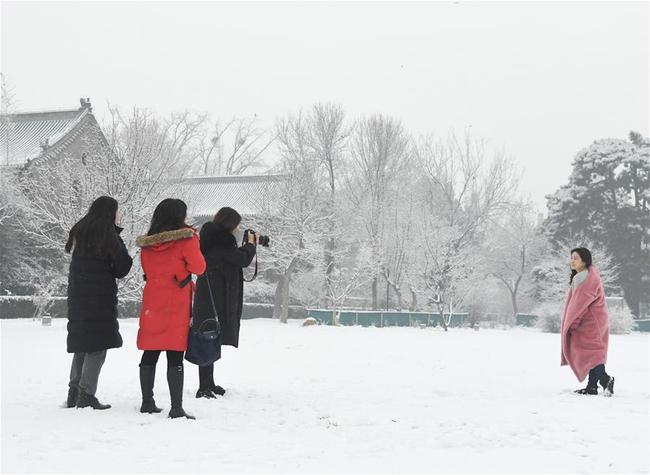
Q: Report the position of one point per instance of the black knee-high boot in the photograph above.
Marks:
(175, 380)
(147, 378)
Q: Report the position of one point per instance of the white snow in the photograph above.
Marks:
(326, 399)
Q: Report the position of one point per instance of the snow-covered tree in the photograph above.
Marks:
(134, 165)
(231, 148)
(295, 219)
(607, 200)
(550, 277)
(463, 190)
(511, 248)
(380, 151)
(328, 140)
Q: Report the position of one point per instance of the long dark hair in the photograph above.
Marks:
(95, 232)
(228, 218)
(169, 215)
(585, 255)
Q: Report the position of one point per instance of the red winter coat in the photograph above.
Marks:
(167, 259)
(585, 326)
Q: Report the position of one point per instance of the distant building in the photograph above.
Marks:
(251, 196)
(31, 137)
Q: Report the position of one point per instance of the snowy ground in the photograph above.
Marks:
(324, 399)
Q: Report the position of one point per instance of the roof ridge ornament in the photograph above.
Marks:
(85, 104)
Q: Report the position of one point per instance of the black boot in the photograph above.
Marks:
(147, 378)
(607, 382)
(218, 390)
(88, 400)
(207, 388)
(592, 382)
(175, 381)
(204, 393)
(73, 395)
(589, 390)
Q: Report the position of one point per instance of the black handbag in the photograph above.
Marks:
(204, 346)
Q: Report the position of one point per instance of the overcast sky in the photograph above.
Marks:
(540, 79)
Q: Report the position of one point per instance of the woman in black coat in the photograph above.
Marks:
(225, 262)
(99, 256)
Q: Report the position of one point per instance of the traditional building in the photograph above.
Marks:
(30, 137)
(252, 196)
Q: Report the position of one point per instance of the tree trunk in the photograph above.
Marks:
(284, 294)
(277, 300)
(374, 293)
(284, 312)
(329, 268)
(441, 310)
(515, 307)
(414, 301)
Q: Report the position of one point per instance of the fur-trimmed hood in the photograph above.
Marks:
(165, 237)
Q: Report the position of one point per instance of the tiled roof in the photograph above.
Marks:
(249, 195)
(22, 134)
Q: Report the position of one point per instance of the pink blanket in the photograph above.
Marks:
(585, 326)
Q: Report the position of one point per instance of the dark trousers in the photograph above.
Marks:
(206, 377)
(598, 375)
(84, 373)
(150, 358)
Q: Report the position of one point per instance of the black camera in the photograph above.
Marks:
(262, 241)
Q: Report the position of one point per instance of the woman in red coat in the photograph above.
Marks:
(170, 255)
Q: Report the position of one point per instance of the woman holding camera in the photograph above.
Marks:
(99, 256)
(225, 262)
(170, 255)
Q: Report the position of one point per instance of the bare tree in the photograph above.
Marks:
(7, 109)
(511, 249)
(464, 189)
(134, 165)
(7, 104)
(328, 138)
(232, 148)
(295, 219)
(350, 275)
(7, 192)
(380, 148)
(400, 247)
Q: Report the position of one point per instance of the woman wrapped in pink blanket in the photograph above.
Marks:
(585, 325)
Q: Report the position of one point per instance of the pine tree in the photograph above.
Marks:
(607, 200)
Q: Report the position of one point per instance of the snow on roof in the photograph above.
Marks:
(249, 195)
(23, 134)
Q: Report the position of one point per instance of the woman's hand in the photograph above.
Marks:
(253, 239)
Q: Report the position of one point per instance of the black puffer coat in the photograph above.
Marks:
(225, 263)
(92, 299)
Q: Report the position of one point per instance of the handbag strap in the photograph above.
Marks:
(208, 320)
(214, 307)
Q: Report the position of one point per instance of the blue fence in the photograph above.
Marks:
(526, 320)
(643, 325)
(384, 319)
